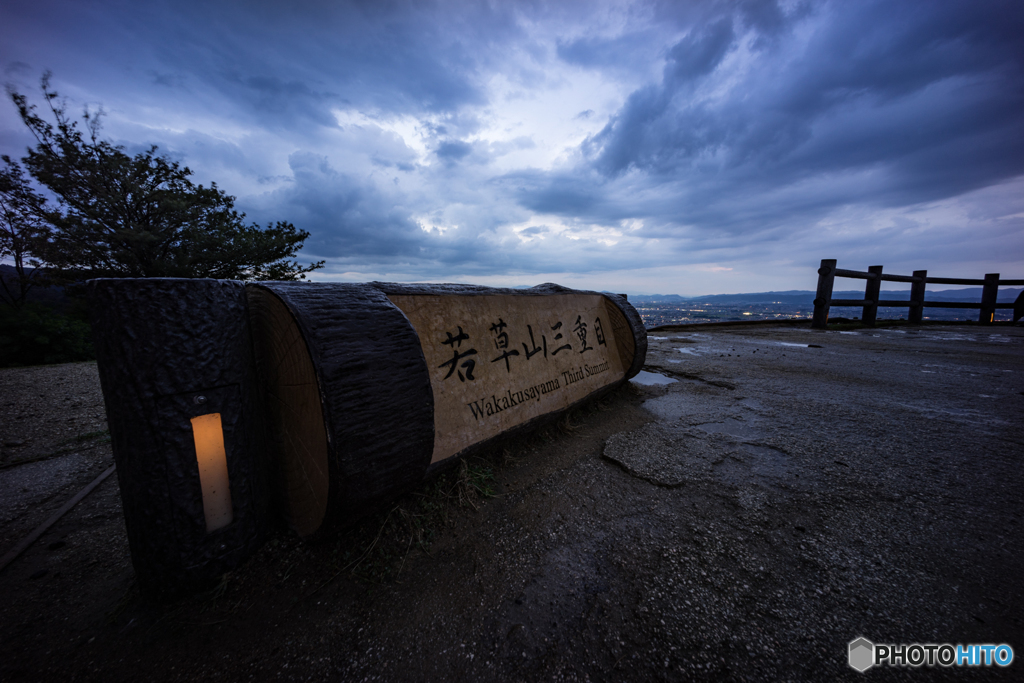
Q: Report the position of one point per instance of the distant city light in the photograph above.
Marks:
(655, 313)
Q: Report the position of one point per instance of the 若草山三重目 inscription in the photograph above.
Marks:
(498, 361)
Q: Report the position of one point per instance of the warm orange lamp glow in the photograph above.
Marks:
(213, 470)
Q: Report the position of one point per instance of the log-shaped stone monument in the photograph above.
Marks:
(179, 382)
(370, 387)
(341, 395)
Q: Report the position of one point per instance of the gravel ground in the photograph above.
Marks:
(790, 491)
(53, 441)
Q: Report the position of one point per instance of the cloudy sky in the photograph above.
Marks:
(674, 147)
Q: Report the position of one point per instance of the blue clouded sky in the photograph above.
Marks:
(676, 147)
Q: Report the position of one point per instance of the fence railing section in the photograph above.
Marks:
(918, 281)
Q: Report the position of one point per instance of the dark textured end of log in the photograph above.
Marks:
(374, 392)
(169, 351)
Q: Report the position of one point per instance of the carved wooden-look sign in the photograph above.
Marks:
(229, 402)
(496, 362)
(407, 377)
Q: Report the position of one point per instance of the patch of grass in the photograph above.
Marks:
(377, 549)
(566, 426)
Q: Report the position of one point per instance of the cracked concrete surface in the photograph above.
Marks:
(792, 491)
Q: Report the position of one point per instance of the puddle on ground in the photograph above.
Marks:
(689, 351)
(673, 406)
(965, 415)
(670, 407)
(955, 336)
(650, 379)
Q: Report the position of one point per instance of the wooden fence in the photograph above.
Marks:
(828, 272)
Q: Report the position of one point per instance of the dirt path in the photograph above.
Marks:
(744, 522)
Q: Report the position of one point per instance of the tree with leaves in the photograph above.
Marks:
(118, 215)
(22, 228)
(32, 332)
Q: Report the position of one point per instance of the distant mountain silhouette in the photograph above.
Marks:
(54, 296)
(50, 296)
(806, 297)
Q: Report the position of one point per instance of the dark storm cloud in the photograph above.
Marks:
(453, 150)
(347, 216)
(283, 63)
(554, 194)
(278, 101)
(630, 52)
(930, 100)
(722, 130)
(360, 224)
(699, 52)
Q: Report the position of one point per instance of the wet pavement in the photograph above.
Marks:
(790, 491)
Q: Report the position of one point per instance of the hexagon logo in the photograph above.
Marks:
(862, 654)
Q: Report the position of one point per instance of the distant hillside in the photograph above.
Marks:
(805, 297)
(51, 296)
(54, 296)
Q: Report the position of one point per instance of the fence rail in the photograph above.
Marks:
(828, 272)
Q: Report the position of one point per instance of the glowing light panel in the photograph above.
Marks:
(213, 470)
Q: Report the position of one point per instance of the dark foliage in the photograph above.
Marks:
(21, 228)
(139, 216)
(33, 334)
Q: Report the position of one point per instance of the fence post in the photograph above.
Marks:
(989, 295)
(871, 291)
(917, 296)
(823, 296)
